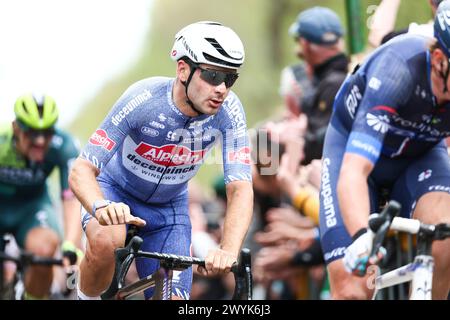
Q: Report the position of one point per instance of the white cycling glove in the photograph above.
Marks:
(356, 258)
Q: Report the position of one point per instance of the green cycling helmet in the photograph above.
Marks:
(36, 112)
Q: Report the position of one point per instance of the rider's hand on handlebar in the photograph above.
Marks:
(117, 213)
(217, 262)
(356, 258)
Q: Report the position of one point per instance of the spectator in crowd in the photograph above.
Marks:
(318, 34)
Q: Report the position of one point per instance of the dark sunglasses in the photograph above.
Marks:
(216, 77)
(34, 134)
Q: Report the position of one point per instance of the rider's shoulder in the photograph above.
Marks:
(149, 84)
(407, 45)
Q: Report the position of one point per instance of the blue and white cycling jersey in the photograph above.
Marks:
(388, 105)
(386, 112)
(151, 150)
(147, 151)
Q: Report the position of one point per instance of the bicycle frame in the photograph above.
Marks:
(420, 272)
(161, 279)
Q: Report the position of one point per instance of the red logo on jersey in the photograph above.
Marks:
(100, 138)
(169, 154)
(242, 155)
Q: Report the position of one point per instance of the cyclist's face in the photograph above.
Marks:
(207, 96)
(440, 65)
(32, 144)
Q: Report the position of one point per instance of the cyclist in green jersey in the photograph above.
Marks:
(30, 149)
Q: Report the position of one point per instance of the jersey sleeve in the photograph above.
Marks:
(111, 133)
(388, 85)
(235, 144)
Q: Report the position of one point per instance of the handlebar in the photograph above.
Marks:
(387, 220)
(25, 259)
(124, 257)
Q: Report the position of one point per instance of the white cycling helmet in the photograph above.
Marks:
(210, 43)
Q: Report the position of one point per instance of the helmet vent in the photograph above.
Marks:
(24, 107)
(40, 111)
(219, 61)
(219, 48)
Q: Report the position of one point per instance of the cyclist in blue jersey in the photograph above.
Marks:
(30, 149)
(387, 132)
(136, 166)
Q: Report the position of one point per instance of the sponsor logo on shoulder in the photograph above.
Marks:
(130, 106)
(149, 131)
(353, 100)
(374, 83)
(240, 156)
(100, 138)
(237, 117)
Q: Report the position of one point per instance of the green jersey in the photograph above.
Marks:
(21, 177)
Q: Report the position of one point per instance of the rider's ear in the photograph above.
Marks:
(183, 70)
(439, 61)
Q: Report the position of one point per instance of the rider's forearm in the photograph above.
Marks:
(82, 181)
(72, 224)
(383, 21)
(353, 193)
(238, 216)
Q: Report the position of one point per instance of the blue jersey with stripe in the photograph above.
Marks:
(150, 149)
(387, 106)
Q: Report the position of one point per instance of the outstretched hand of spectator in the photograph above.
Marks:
(290, 216)
(279, 232)
(272, 263)
(288, 130)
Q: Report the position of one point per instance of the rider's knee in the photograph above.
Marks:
(101, 246)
